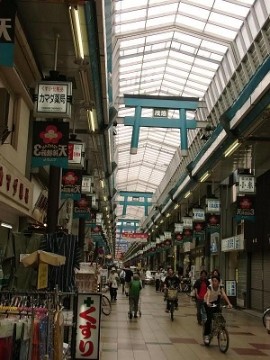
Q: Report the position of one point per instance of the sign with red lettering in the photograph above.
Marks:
(88, 326)
(130, 237)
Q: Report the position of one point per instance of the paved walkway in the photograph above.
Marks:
(154, 336)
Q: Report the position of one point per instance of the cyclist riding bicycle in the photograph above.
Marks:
(215, 292)
(172, 281)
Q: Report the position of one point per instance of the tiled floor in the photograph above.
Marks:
(154, 336)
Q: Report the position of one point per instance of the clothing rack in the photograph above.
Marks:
(52, 302)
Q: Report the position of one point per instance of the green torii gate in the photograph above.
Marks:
(135, 195)
(160, 106)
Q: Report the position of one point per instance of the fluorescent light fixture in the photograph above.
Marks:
(205, 176)
(92, 120)
(176, 206)
(232, 148)
(76, 32)
(161, 221)
(187, 194)
(8, 226)
(168, 215)
(102, 184)
(105, 198)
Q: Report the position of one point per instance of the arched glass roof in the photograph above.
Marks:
(169, 48)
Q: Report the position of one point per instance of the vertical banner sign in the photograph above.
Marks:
(71, 184)
(88, 326)
(50, 144)
(7, 31)
(81, 209)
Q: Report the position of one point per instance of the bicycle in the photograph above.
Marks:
(171, 297)
(219, 330)
(265, 319)
(106, 306)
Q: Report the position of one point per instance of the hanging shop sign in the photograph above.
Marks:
(40, 208)
(179, 237)
(163, 113)
(245, 208)
(76, 152)
(71, 184)
(8, 11)
(50, 144)
(81, 209)
(198, 227)
(214, 242)
(198, 214)
(88, 326)
(87, 184)
(212, 206)
(187, 222)
(213, 220)
(246, 184)
(53, 99)
(132, 237)
(233, 243)
(14, 187)
(187, 246)
(187, 235)
(178, 227)
(167, 235)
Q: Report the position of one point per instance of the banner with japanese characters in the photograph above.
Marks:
(71, 184)
(82, 209)
(88, 326)
(50, 144)
(7, 32)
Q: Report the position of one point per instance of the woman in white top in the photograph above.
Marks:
(215, 292)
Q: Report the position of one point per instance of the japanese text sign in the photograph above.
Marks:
(71, 184)
(246, 184)
(88, 326)
(50, 144)
(7, 31)
(53, 99)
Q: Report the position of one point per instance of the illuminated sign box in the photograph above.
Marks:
(53, 99)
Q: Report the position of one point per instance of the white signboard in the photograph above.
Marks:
(178, 227)
(76, 153)
(88, 326)
(213, 206)
(234, 243)
(198, 214)
(187, 222)
(246, 184)
(53, 99)
(167, 235)
(87, 182)
(186, 246)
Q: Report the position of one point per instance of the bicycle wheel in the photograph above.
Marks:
(105, 305)
(172, 310)
(223, 340)
(265, 315)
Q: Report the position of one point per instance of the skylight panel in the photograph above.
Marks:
(214, 46)
(189, 22)
(194, 11)
(225, 20)
(231, 7)
(163, 9)
(220, 31)
(132, 42)
(159, 21)
(131, 60)
(131, 15)
(159, 54)
(129, 4)
(185, 38)
(127, 28)
(159, 37)
(205, 64)
(150, 71)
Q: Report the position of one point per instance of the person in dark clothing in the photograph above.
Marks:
(172, 281)
(128, 278)
(200, 288)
